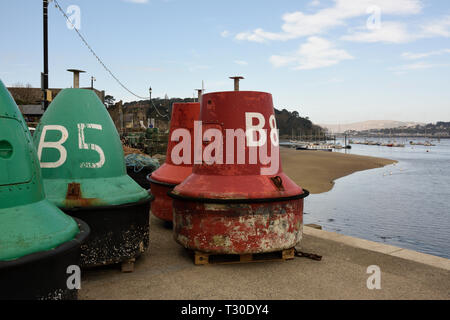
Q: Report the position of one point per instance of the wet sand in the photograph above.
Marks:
(317, 170)
(314, 170)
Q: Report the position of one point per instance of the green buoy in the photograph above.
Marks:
(38, 242)
(84, 173)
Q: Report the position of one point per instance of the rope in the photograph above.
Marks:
(157, 111)
(139, 162)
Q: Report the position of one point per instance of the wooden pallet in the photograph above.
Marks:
(128, 265)
(202, 258)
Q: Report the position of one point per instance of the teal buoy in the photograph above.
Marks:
(84, 173)
(38, 242)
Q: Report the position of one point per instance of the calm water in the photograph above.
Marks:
(406, 204)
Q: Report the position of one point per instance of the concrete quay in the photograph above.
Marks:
(166, 271)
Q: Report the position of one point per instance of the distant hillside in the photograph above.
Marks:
(164, 106)
(439, 130)
(291, 124)
(367, 125)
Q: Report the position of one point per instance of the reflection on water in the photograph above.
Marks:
(405, 204)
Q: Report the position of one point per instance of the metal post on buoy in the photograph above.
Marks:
(199, 94)
(92, 82)
(236, 82)
(76, 77)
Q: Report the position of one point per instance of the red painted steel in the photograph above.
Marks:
(238, 228)
(169, 174)
(233, 208)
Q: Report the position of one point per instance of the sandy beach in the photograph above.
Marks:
(317, 170)
(314, 170)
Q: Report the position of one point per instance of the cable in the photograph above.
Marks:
(95, 55)
(162, 115)
(101, 62)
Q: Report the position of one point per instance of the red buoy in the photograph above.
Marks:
(170, 174)
(237, 199)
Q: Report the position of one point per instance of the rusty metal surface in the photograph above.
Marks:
(170, 174)
(238, 204)
(308, 255)
(183, 117)
(238, 228)
(162, 205)
(74, 197)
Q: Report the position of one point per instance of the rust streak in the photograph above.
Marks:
(278, 182)
(74, 197)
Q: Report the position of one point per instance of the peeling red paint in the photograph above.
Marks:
(162, 205)
(272, 223)
(183, 116)
(238, 228)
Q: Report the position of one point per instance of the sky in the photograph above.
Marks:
(335, 61)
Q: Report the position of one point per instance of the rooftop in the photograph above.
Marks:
(31, 109)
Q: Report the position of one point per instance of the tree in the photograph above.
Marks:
(109, 101)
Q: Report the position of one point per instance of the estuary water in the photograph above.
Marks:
(406, 204)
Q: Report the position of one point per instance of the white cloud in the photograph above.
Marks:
(298, 24)
(439, 27)
(259, 35)
(314, 3)
(415, 66)
(419, 66)
(225, 33)
(396, 32)
(315, 53)
(241, 62)
(136, 1)
(414, 56)
(389, 32)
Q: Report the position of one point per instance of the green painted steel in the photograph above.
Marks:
(85, 166)
(29, 223)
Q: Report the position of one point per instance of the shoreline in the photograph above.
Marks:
(166, 270)
(316, 171)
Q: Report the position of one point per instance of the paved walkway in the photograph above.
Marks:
(166, 271)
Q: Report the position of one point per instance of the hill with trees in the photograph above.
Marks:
(290, 124)
(439, 129)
